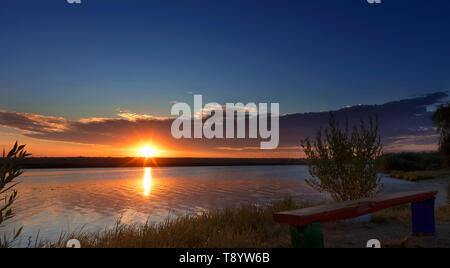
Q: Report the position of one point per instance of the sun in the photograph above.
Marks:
(148, 151)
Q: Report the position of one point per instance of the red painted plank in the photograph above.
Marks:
(350, 209)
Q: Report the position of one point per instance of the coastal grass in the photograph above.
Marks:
(247, 226)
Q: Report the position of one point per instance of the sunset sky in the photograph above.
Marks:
(99, 78)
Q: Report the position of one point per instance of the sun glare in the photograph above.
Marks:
(148, 151)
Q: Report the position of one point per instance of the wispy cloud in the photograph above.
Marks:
(133, 116)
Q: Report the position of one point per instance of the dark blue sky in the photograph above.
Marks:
(89, 60)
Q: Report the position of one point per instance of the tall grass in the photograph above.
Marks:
(247, 226)
(419, 175)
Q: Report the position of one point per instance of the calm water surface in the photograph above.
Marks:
(51, 201)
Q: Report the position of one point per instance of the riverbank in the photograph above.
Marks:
(251, 226)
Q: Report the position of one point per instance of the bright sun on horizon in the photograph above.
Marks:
(148, 151)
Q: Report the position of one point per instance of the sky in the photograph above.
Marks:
(115, 58)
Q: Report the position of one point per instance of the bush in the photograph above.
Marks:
(444, 149)
(411, 162)
(441, 121)
(343, 163)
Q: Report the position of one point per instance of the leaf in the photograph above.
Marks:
(9, 171)
(18, 233)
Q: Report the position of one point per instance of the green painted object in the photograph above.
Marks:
(308, 236)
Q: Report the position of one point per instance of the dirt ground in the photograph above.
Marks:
(391, 235)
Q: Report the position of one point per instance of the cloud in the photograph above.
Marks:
(413, 143)
(239, 149)
(404, 124)
(133, 116)
(407, 117)
(105, 131)
(32, 123)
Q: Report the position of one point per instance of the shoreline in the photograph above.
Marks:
(120, 162)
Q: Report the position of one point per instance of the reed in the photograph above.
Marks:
(246, 226)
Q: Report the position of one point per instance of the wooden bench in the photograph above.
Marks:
(306, 223)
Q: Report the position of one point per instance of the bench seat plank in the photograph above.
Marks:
(350, 209)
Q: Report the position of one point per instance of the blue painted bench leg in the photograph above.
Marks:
(423, 221)
(308, 236)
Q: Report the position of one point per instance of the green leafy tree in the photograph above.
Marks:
(9, 171)
(343, 162)
(441, 121)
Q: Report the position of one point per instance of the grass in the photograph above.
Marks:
(248, 226)
(419, 175)
(402, 215)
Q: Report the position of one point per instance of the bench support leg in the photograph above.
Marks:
(308, 236)
(423, 221)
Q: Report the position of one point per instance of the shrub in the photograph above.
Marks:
(411, 162)
(343, 162)
(441, 121)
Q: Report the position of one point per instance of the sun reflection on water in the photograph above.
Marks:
(147, 181)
